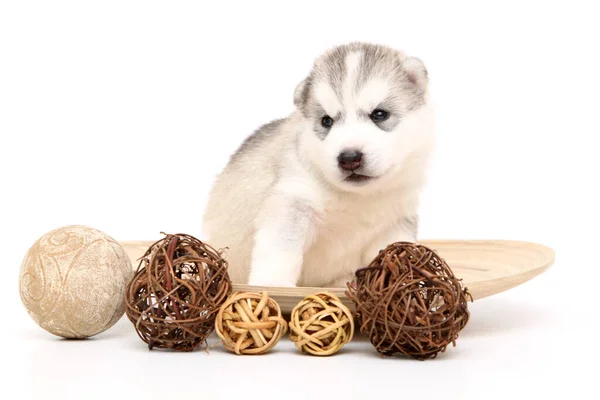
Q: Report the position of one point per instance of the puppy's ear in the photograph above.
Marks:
(301, 93)
(416, 71)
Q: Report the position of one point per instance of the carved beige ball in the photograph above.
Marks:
(73, 281)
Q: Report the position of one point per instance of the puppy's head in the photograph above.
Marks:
(365, 110)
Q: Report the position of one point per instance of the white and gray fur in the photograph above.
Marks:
(285, 209)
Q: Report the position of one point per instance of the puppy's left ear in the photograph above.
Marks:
(301, 93)
(416, 71)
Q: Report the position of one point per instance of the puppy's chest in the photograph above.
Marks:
(350, 221)
(343, 232)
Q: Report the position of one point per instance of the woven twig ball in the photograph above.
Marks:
(250, 323)
(408, 301)
(175, 295)
(321, 325)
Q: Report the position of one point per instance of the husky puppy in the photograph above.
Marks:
(308, 199)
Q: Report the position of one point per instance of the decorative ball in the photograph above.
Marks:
(176, 292)
(72, 281)
(408, 301)
(250, 323)
(321, 325)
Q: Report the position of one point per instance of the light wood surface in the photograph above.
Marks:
(486, 267)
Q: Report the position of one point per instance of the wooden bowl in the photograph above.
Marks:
(486, 267)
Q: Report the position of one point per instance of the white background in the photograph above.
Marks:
(103, 104)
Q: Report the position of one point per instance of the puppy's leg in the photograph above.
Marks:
(404, 231)
(284, 230)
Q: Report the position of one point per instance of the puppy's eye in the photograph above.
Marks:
(327, 121)
(379, 115)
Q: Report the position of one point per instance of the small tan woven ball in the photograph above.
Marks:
(73, 281)
(250, 323)
(321, 325)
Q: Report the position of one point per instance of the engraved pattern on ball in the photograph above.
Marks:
(73, 281)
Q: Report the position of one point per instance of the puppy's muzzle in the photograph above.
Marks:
(350, 160)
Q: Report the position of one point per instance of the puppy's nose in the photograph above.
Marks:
(350, 159)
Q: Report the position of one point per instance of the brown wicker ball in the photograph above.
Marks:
(250, 323)
(175, 295)
(321, 325)
(408, 301)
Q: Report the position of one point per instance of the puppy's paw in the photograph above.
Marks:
(400, 234)
(269, 275)
(270, 282)
(275, 268)
(342, 281)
